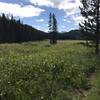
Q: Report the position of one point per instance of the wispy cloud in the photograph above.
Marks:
(21, 11)
(42, 2)
(40, 20)
(63, 26)
(66, 20)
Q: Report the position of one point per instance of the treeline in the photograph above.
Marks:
(12, 30)
(71, 35)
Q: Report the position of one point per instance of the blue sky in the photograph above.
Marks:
(36, 12)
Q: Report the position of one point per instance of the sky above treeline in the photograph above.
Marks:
(36, 12)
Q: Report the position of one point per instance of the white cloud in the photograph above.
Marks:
(42, 2)
(78, 19)
(40, 20)
(72, 10)
(18, 10)
(70, 7)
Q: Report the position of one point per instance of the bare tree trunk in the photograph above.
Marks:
(97, 44)
(97, 29)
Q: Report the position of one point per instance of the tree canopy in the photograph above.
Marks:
(91, 24)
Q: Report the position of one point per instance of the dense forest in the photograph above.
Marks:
(12, 30)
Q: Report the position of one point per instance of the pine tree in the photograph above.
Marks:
(53, 28)
(91, 24)
(50, 22)
(54, 23)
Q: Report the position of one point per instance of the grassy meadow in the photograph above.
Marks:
(40, 71)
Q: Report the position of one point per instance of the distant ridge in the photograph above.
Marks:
(71, 35)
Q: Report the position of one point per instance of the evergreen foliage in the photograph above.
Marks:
(12, 30)
(91, 24)
(53, 28)
(50, 22)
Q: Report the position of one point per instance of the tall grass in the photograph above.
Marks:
(40, 71)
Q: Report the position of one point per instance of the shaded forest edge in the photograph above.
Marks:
(12, 30)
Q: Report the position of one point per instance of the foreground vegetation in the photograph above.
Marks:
(40, 71)
(94, 92)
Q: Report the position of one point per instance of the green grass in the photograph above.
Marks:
(40, 71)
(94, 92)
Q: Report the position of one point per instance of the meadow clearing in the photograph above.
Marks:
(40, 71)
